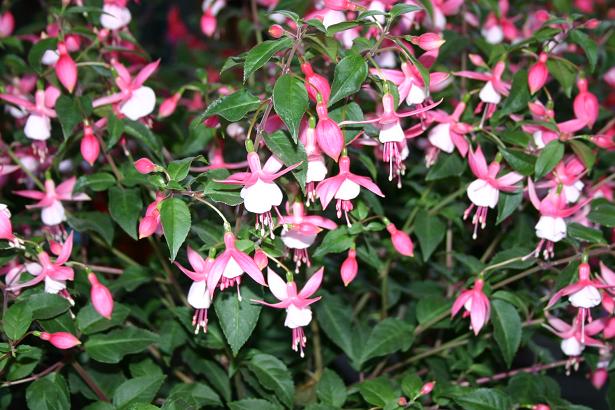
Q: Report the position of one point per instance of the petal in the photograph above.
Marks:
(326, 189)
(276, 285)
(66, 250)
(312, 284)
(367, 183)
(249, 266)
(141, 103)
(477, 163)
(145, 73)
(216, 271)
(53, 214)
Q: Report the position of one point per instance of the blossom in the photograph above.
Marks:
(538, 74)
(448, 134)
(228, 267)
(344, 187)
(494, 88)
(210, 8)
(316, 167)
(315, 84)
(199, 296)
(499, 27)
(401, 240)
(61, 340)
(7, 24)
(6, 227)
(585, 105)
(38, 124)
(328, 134)
(576, 337)
(115, 15)
(101, 297)
(297, 304)
(484, 192)
(50, 200)
(568, 174)
(476, 305)
(90, 147)
(150, 223)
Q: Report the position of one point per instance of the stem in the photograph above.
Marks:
(197, 197)
(115, 252)
(318, 362)
(384, 289)
(165, 266)
(89, 381)
(50, 369)
(17, 161)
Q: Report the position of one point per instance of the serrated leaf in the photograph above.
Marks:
(389, 336)
(99, 181)
(290, 100)
(430, 231)
(17, 320)
(584, 233)
(47, 305)
(331, 389)
(188, 396)
(253, 404)
(378, 392)
(349, 75)
(335, 241)
(113, 346)
(49, 393)
(233, 107)
(484, 399)
(261, 53)
(334, 317)
(178, 170)
(138, 390)
(507, 329)
(176, 221)
(125, 208)
(273, 375)
(289, 153)
(68, 113)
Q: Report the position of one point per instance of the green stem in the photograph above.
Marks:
(17, 161)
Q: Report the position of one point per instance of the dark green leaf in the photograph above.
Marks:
(176, 221)
(188, 396)
(334, 317)
(115, 128)
(90, 321)
(290, 100)
(507, 326)
(96, 222)
(508, 203)
(603, 213)
(178, 170)
(233, 107)
(273, 375)
(254, 404)
(564, 72)
(17, 320)
(389, 336)
(47, 305)
(549, 157)
(519, 161)
(447, 166)
(399, 9)
(587, 44)
(138, 390)
(68, 113)
(335, 241)
(378, 392)
(99, 181)
(519, 95)
(585, 154)
(484, 399)
(125, 208)
(48, 393)
(583, 233)
(261, 53)
(289, 153)
(331, 389)
(36, 52)
(113, 346)
(350, 73)
(430, 231)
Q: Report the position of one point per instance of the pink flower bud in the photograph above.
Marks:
(276, 31)
(61, 340)
(148, 225)
(212, 122)
(7, 24)
(328, 134)
(260, 258)
(585, 104)
(145, 166)
(169, 105)
(427, 388)
(208, 23)
(537, 76)
(55, 247)
(73, 42)
(428, 41)
(101, 297)
(599, 377)
(90, 147)
(401, 241)
(350, 267)
(340, 5)
(6, 227)
(541, 407)
(316, 84)
(66, 69)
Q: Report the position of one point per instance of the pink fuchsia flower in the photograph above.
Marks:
(297, 304)
(586, 106)
(316, 168)
(66, 68)
(261, 259)
(101, 297)
(428, 41)
(90, 147)
(7, 24)
(497, 28)
(600, 376)
(551, 226)
(50, 201)
(494, 88)
(344, 187)
(115, 15)
(315, 84)
(568, 174)
(260, 193)
(341, 5)
(169, 105)
(350, 267)
(38, 124)
(228, 267)
(448, 134)
(210, 8)
(300, 230)
(391, 133)
(150, 223)
(145, 166)
(217, 161)
(6, 227)
(199, 296)
(53, 273)
(410, 83)
(484, 192)
(576, 337)
(538, 74)
(134, 99)
(61, 340)
(476, 305)
(401, 240)
(275, 31)
(328, 134)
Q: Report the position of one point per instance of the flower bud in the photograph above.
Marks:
(328, 133)
(61, 340)
(169, 105)
(599, 377)
(427, 388)
(276, 31)
(537, 76)
(260, 258)
(66, 68)
(350, 267)
(208, 24)
(541, 407)
(148, 226)
(585, 105)
(212, 122)
(340, 5)
(401, 241)
(6, 227)
(145, 166)
(7, 24)
(428, 41)
(315, 84)
(101, 297)
(90, 147)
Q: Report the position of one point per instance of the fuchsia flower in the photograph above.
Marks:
(134, 99)
(350, 267)
(494, 88)
(577, 336)
(66, 68)
(199, 296)
(228, 267)
(145, 166)
(328, 134)
(260, 193)
(61, 340)
(300, 231)
(448, 134)
(316, 168)
(538, 74)
(150, 223)
(476, 305)
(38, 124)
(169, 105)
(497, 28)
(115, 15)
(315, 84)
(586, 105)
(551, 226)
(341, 5)
(210, 8)
(344, 187)
(7, 24)
(568, 174)
(6, 227)
(297, 305)
(101, 297)
(391, 133)
(484, 192)
(217, 161)
(275, 31)
(53, 273)
(90, 147)
(401, 240)
(428, 41)
(50, 200)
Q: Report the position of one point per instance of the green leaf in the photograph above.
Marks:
(178, 170)
(549, 157)
(389, 336)
(583, 233)
(261, 53)
(25, 362)
(334, 316)
(138, 390)
(115, 128)
(191, 396)
(484, 399)
(508, 204)
(430, 231)
(125, 208)
(564, 72)
(253, 404)
(378, 392)
(90, 321)
(603, 213)
(17, 320)
(431, 307)
(335, 241)
(113, 346)
(507, 329)
(446, 166)
(290, 100)
(176, 221)
(585, 154)
(48, 393)
(349, 112)
(99, 181)
(273, 375)
(587, 44)
(92, 222)
(144, 135)
(519, 95)
(349, 75)
(233, 107)
(411, 384)
(47, 305)
(331, 389)
(519, 161)
(289, 153)
(399, 9)
(68, 113)
(237, 319)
